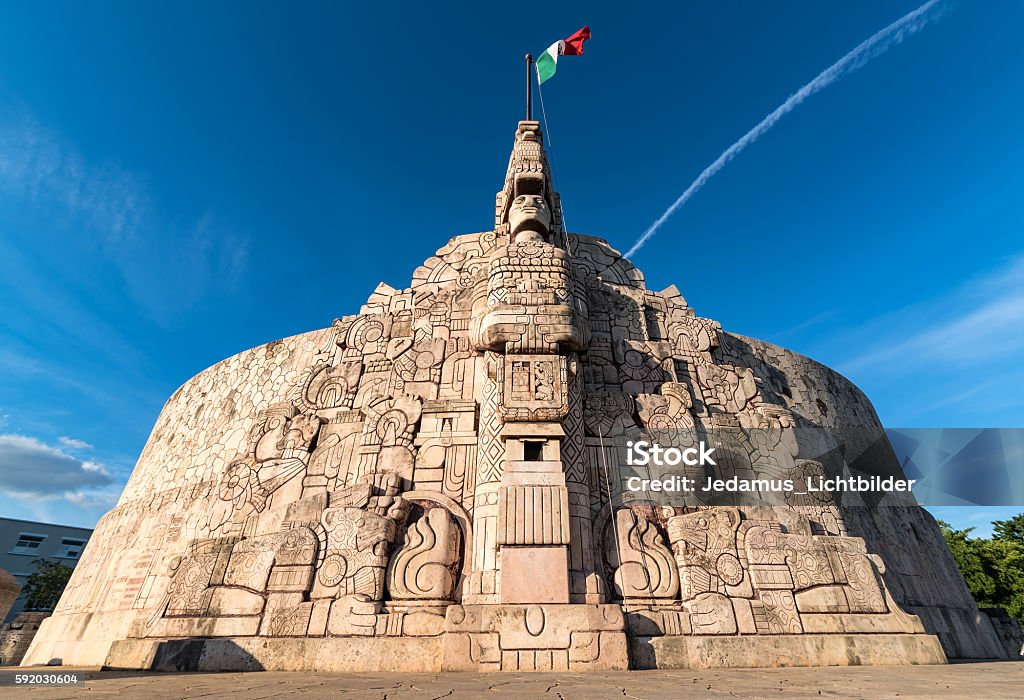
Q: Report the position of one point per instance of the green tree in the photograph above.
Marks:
(43, 587)
(967, 556)
(993, 568)
(1011, 530)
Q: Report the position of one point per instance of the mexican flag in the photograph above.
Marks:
(548, 61)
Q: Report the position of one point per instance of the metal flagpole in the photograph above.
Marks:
(529, 89)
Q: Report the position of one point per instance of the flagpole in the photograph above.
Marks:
(529, 89)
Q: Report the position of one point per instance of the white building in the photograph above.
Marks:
(23, 542)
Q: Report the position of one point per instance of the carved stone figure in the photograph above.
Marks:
(789, 580)
(302, 429)
(361, 524)
(529, 218)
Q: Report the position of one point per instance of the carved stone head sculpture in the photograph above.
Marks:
(529, 217)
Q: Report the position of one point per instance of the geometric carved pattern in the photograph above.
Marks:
(533, 515)
(491, 453)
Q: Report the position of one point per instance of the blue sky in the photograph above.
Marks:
(181, 181)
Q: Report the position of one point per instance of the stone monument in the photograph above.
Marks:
(437, 483)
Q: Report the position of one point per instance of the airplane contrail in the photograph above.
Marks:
(870, 48)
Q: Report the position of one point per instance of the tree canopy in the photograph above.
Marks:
(993, 567)
(43, 587)
(1011, 530)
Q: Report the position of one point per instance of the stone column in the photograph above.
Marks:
(481, 586)
(533, 516)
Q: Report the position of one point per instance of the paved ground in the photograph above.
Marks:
(966, 680)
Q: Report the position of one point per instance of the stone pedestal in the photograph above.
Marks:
(535, 574)
(776, 651)
(534, 638)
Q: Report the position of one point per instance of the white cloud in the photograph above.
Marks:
(193, 260)
(949, 360)
(36, 166)
(979, 323)
(74, 443)
(91, 466)
(103, 501)
(31, 468)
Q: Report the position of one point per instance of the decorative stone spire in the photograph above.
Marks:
(529, 325)
(528, 177)
(528, 303)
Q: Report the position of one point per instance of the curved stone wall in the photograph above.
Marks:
(170, 498)
(919, 568)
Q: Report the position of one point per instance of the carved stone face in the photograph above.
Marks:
(529, 213)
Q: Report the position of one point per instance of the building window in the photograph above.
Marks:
(69, 548)
(28, 543)
(533, 451)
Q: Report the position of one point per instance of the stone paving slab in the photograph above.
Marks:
(964, 680)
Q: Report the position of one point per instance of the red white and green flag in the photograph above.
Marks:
(548, 61)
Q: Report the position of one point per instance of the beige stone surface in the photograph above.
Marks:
(535, 574)
(437, 481)
(785, 650)
(9, 590)
(355, 654)
(970, 681)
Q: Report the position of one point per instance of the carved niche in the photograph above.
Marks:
(533, 387)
